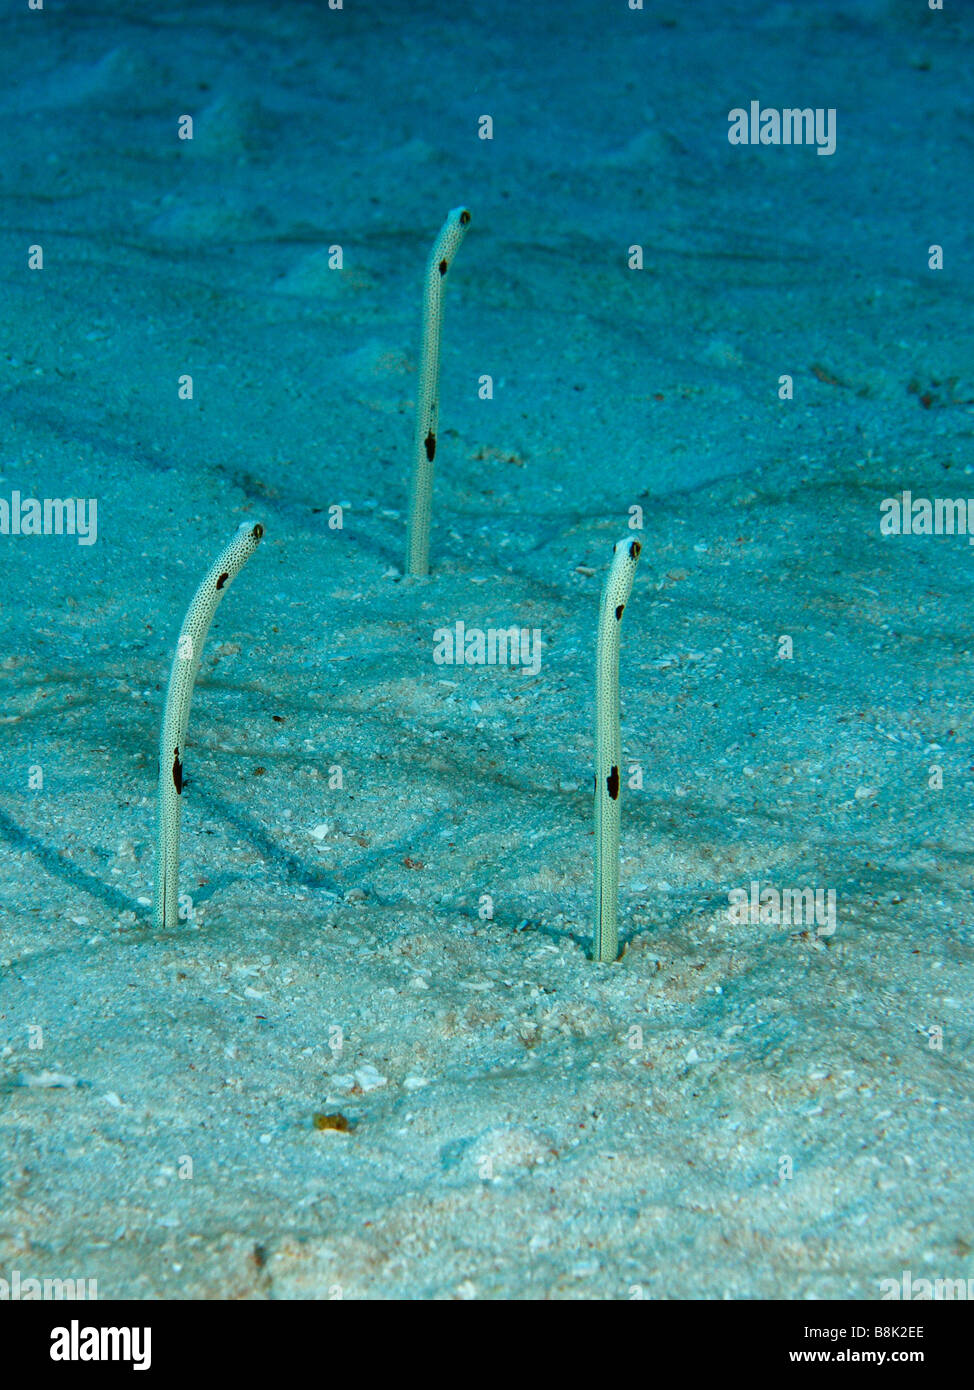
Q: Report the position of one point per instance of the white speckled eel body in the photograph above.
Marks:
(179, 694)
(445, 247)
(608, 750)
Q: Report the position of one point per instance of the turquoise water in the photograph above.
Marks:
(737, 352)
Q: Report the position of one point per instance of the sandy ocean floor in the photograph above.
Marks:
(733, 1109)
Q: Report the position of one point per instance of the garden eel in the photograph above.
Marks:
(179, 693)
(608, 749)
(445, 247)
